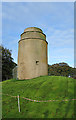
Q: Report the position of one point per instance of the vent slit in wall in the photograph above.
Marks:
(37, 62)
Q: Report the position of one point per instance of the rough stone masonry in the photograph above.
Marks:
(32, 54)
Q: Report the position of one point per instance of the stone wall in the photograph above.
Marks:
(32, 54)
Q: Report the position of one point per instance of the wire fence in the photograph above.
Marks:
(38, 100)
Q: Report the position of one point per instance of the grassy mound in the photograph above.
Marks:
(41, 88)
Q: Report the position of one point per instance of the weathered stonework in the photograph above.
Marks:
(32, 54)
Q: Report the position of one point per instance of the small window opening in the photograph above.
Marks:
(37, 62)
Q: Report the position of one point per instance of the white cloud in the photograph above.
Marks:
(37, 11)
(0, 23)
(54, 19)
(38, 0)
(60, 46)
(61, 38)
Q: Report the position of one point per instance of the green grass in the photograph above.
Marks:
(41, 88)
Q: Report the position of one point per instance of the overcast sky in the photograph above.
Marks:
(55, 19)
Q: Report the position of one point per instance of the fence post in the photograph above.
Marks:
(18, 104)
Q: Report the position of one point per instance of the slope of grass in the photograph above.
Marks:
(41, 88)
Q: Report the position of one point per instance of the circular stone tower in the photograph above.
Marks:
(32, 54)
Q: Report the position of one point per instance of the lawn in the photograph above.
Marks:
(41, 89)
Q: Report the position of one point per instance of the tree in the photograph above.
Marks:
(61, 69)
(0, 63)
(7, 63)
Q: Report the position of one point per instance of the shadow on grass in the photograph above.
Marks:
(67, 109)
(15, 80)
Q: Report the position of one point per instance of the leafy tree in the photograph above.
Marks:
(0, 64)
(7, 63)
(61, 69)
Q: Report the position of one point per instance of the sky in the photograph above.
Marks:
(56, 19)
